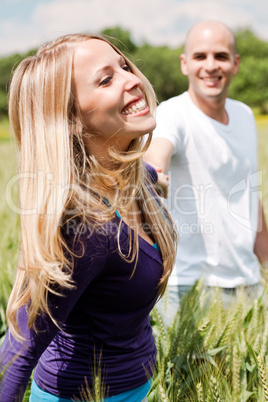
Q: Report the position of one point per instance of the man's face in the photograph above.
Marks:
(209, 62)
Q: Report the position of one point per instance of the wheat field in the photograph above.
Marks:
(208, 354)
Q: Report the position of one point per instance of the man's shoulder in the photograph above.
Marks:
(170, 118)
(174, 101)
(238, 106)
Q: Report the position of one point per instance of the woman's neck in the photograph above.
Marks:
(100, 148)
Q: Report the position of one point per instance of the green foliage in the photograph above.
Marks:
(7, 66)
(161, 65)
(262, 125)
(251, 83)
(4, 129)
(9, 236)
(121, 39)
(3, 102)
(249, 45)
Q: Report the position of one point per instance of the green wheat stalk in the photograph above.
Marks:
(263, 377)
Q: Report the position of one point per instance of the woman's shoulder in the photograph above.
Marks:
(83, 236)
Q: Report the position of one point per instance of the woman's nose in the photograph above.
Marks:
(131, 80)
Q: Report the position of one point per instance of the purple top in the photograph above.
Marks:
(104, 323)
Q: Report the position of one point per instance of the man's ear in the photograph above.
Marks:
(236, 63)
(184, 69)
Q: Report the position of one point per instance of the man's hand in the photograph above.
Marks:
(162, 183)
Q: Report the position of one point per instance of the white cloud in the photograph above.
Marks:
(213, 10)
(16, 37)
(94, 15)
(160, 22)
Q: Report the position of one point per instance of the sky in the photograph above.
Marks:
(26, 24)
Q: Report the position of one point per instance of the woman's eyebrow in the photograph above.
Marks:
(106, 68)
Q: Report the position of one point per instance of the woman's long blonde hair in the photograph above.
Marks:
(59, 180)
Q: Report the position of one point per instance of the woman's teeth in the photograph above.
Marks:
(135, 108)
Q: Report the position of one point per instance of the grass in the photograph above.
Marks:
(262, 125)
(9, 228)
(4, 130)
(209, 354)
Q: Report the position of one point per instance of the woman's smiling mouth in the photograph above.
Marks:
(135, 108)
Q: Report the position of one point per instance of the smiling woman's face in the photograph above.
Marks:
(109, 95)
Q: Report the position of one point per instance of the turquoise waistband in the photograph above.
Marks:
(134, 395)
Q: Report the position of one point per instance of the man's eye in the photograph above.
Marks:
(106, 81)
(199, 57)
(222, 57)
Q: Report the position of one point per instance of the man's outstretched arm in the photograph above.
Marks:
(159, 153)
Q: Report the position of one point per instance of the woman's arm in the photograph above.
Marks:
(18, 358)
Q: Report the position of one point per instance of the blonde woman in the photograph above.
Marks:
(97, 245)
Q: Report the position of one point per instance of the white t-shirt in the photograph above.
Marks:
(213, 192)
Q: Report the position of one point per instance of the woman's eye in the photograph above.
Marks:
(126, 67)
(106, 81)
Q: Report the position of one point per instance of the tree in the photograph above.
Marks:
(161, 66)
(251, 83)
(7, 66)
(121, 39)
(249, 45)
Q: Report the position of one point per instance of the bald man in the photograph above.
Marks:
(207, 143)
